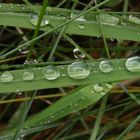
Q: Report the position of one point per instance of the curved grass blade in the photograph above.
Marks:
(20, 16)
(73, 103)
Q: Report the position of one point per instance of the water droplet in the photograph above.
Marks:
(81, 18)
(105, 66)
(109, 85)
(6, 77)
(112, 39)
(34, 20)
(78, 54)
(75, 104)
(78, 70)
(34, 61)
(50, 72)
(98, 88)
(81, 26)
(83, 98)
(24, 50)
(92, 91)
(134, 19)
(18, 92)
(108, 19)
(133, 64)
(48, 121)
(27, 75)
(102, 93)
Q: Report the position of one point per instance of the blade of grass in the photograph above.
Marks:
(55, 28)
(37, 28)
(99, 118)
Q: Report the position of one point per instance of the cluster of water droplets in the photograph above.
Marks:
(77, 70)
(64, 110)
(101, 89)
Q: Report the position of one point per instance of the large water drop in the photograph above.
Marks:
(27, 75)
(50, 72)
(98, 88)
(134, 19)
(105, 66)
(34, 21)
(133, 64)
(6, 77)
(108, 19)
(78, 70)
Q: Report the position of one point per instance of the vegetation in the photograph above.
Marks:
(69, 70)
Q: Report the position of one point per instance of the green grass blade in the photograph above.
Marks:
(73, 103)
(39, 82)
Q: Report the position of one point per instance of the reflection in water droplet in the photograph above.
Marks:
(133, 64)
(78, 54)
(98, 88)
(27, 75)
(6, 76)
(134, 19)
(78, 70)
(34, 21)
(50, 72)
(108, 19)
(105, 66)
(81, 26)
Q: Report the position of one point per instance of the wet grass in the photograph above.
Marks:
(69, 70)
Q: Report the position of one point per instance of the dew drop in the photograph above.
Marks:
(83, 98)
(34, 61)
(98, 88)
(27, 75)
(6, 77)
(78, 70)
(18, 92)
(75, 104)
(134, 19)
(78, 54)
(109, 85)
(105, 66)
(133, 64)
(81, 26)
(50, 72)
(48, 121)
(102, 93)
(108, 19)
(24, 50)
(34, 21)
